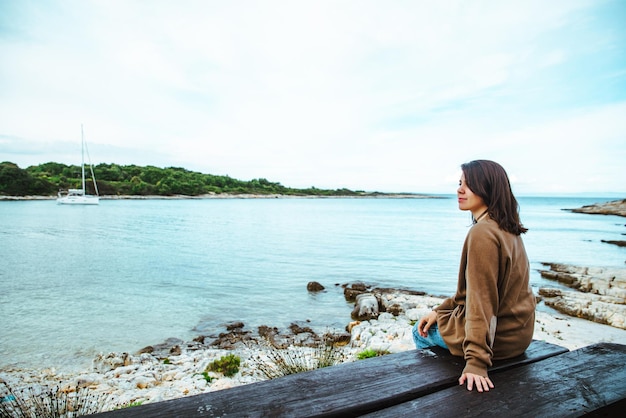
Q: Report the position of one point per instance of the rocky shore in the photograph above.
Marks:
(177, 368)
(597, 294)
(594, 293)
(615, 207)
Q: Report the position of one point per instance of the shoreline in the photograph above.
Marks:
(174, 368)
(373, 195)
(613, 207)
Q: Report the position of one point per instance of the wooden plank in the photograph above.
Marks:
(588, 381)
(348, 389)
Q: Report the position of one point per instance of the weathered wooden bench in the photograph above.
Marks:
(547, 380)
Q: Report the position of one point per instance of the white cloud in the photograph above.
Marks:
(333, 94)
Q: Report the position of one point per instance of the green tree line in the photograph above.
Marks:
(131, 180)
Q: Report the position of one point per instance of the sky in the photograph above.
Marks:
(388, 96)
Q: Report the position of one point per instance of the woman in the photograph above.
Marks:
(492, 314)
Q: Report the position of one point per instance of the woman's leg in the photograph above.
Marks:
(432, 339)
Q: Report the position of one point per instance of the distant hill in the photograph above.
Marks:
(131, 180)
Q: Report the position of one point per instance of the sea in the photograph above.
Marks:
(76, 281)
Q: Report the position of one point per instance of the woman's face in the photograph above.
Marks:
(468, 200)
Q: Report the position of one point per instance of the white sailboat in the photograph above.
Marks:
(79, 196)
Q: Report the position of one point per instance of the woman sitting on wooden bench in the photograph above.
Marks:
(492, 314)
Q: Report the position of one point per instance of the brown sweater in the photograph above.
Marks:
(492, 314)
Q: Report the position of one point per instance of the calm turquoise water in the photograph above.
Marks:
(76, 281)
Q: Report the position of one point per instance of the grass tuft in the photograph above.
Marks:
(277, 362)
(49, 402)
(227, 365)
(370, 352)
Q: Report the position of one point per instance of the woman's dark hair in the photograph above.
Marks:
(488, 180)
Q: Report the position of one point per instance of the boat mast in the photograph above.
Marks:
(82, 154)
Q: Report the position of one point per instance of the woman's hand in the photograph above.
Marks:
(426, 322)
(483, 383)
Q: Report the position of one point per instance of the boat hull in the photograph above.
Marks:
(78, 200)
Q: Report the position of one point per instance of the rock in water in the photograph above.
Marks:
(365, 308)
(314, 287)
